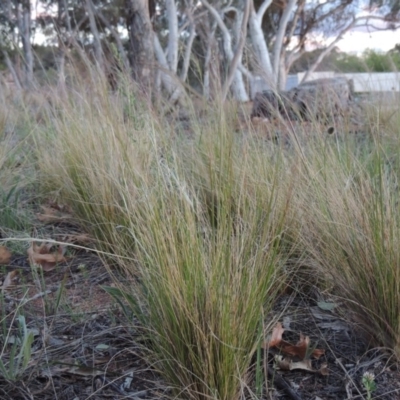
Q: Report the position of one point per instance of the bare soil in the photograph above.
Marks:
(85, 348)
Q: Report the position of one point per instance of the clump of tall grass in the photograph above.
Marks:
(210, 253)
(89, 148)
(199, 224)
(349, 203)
(15, 173)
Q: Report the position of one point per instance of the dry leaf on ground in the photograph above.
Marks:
(79, 238)
(8, 281)
(52, 214)
(276, 336)
(41, 255)
(5, 255)
(300, 349)
(286, 364)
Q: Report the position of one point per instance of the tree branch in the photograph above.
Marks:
(261, 11)
(189, 45)
(95, 32)
(170, 83)
(239, 50)
(280, 36)
(225, 32)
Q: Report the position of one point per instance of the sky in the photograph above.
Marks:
(362, 37)
(357, 42)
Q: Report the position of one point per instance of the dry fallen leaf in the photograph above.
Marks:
(300, 349)
(286, 364)
(5, 255)
(82, 238)
(52, 214)
(276, 336)
(41, 255)
(8, 281)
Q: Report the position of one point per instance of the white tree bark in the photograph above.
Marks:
(188, 49)
(242, 19)
(259, 44)
(280, 36)
(238, 86)
(173, 37)
(169, 79)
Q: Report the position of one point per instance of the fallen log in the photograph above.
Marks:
(322, 100)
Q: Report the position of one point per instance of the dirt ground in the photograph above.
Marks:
(85, 348)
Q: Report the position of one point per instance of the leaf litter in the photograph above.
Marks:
(97, 356)
(301, 349)
(5, 255)
(41, 255)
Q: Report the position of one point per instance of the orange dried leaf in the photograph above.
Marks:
(5, 255)
(276, 336)
(41, 255)
(317, 353)
(300, 349)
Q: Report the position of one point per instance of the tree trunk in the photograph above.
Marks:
(141, 46)
(24, 19)
(242, 19)
(283, 73)
(98, 51)
(280, 36)
(260, 45)
(173, 36)
(238, 86)
(169, 79)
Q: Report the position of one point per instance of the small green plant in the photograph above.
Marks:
(10, 215)
(368, 381)
(16, 352)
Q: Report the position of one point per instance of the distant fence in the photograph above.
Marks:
(385, 82)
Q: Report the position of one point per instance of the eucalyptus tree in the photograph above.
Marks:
(15, 29)
(226, 44)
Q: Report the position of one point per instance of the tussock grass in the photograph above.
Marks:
(351, 227)
(198, 231)
(15, 171)
(88, 152)
(209, 247)
(203, 224)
